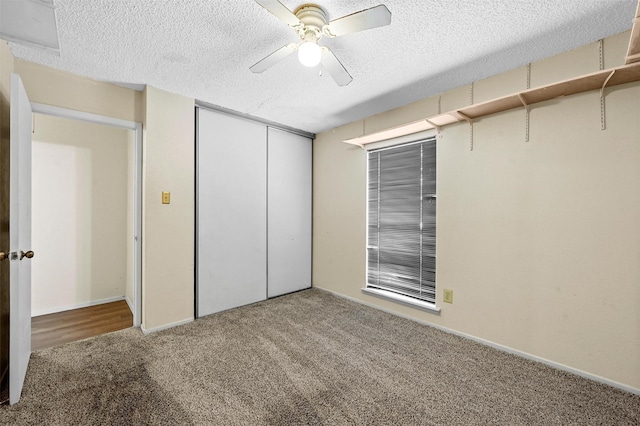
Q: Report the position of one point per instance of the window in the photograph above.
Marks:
(401, 240)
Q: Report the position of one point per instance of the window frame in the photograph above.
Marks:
(399, 297)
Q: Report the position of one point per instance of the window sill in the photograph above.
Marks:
(405, 300)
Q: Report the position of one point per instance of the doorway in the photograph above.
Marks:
(87, 213)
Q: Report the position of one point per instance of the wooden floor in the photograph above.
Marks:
(69, 326)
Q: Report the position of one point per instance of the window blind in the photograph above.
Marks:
(401, 240)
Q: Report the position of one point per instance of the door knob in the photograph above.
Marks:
(4, 255)
(28, 254)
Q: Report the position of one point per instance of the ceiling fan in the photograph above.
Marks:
(309, 21)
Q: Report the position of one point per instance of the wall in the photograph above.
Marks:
(80, 211)
(53, 87)
(168, 229)
(539, 240)
(6, 68)
(131, 158)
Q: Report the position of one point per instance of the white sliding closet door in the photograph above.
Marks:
(232, 222)
(289, 207)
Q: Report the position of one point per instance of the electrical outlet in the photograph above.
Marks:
(447, 296)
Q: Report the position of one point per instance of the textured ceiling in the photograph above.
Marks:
(204, 48)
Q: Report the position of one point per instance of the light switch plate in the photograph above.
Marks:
(166, 198)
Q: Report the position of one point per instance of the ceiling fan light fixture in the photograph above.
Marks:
(309, 53)
(309, 21)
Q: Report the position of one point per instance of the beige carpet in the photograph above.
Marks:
(305, 358)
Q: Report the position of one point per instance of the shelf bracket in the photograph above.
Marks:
(435, 126)
(601, 53)
(603, 116)
(526, 117)
(470, 121)
(464, 116)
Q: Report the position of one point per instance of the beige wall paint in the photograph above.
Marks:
(168, 229)
(168, 163)
(53, 87)
(539, 240)
(131, 158)
(7, 62)
(79, 213)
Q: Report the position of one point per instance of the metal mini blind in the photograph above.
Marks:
(401, 241)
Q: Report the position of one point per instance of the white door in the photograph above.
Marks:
(19, 239)
(232, 212)
(289, 212)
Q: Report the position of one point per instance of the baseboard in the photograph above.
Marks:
(166, 326)
(76, 306)
(126, 299)
(498, 346)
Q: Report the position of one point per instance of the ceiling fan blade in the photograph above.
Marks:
(280, 11)
(275, 57)
(374, 17)
(335, 68)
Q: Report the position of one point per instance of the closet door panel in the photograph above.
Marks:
(232, 222)
(289, 212)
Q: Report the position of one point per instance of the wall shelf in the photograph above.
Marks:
(594, 81)
(633, 54)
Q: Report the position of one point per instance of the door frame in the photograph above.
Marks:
(56, 111)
